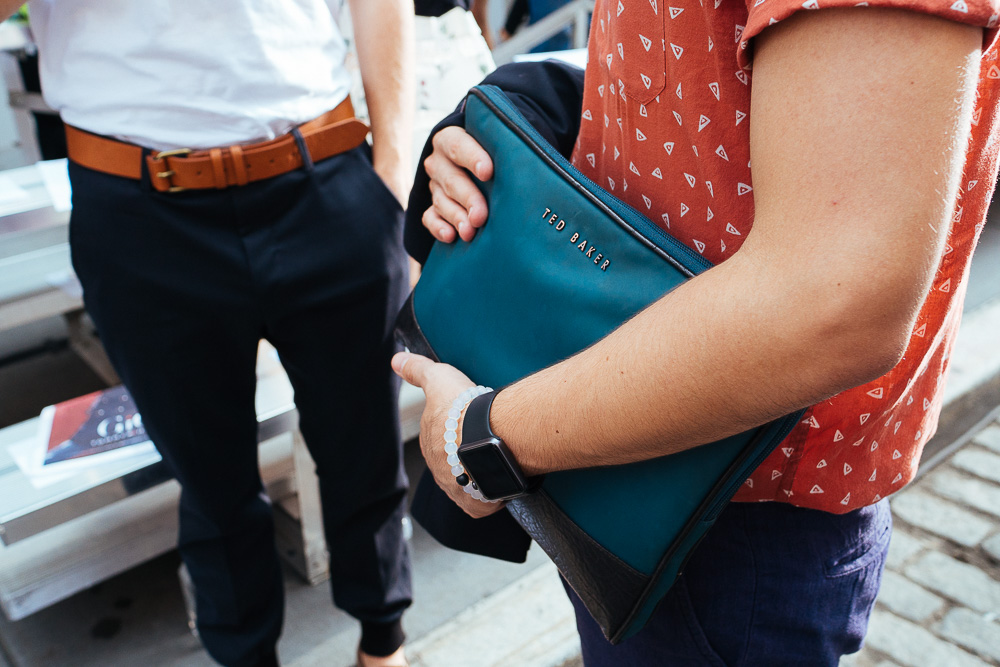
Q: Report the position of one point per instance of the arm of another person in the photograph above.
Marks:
(856, 170)
(8, 7)
(517, 15)
(480, 12)
(383, 30)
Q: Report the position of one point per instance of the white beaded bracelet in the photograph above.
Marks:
(458, 406)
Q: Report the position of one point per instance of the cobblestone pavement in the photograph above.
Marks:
(940, 600)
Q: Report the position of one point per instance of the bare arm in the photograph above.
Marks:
(480, 10)
(384, 33)
(856, 170)
(8, 7)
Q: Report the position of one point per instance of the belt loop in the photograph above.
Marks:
(145, 178)
(218, 169)
(239, 165)
(307, 163)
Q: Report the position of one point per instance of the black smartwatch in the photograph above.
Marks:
(485, 457)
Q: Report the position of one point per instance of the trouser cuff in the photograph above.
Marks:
(268, 660)
(382, 639)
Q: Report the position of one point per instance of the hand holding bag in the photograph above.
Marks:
(559, 265)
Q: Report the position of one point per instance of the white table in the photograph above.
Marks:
(36, 277)
(34, 253)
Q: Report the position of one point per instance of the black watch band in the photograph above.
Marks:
(488, 462)
(476, 424)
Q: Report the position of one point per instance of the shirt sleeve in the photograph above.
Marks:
(764, 13)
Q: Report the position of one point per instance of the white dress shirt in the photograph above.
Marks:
(190, 73)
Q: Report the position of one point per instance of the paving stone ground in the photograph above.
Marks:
(940, 599)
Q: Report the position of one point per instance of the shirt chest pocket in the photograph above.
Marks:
(635, 48)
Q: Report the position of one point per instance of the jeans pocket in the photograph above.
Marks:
(868, 550)
(696, 630)
(859, 585)
(380, 190)
(857, 575)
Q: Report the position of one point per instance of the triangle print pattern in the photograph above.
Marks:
(672, 82)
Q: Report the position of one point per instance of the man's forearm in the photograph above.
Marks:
(383, 30)
(723, 353)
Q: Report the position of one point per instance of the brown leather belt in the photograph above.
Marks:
(181, 169)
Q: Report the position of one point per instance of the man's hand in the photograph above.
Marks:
(458, 205)
(441, 384)
(395, 174)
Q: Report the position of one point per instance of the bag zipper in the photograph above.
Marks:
(747, 468)
(640, 223)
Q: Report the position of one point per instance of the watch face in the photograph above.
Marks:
(486, 464)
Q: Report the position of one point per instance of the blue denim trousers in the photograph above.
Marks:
(771, 584)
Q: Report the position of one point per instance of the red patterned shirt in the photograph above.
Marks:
(665, 128)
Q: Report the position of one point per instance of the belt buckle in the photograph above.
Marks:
(176, 152)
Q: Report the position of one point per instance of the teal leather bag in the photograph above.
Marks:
(559, 265)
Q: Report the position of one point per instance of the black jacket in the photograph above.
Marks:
(550, 95)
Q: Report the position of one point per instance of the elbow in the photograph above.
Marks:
(880, 352)
(860, 338)
(847, 311)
